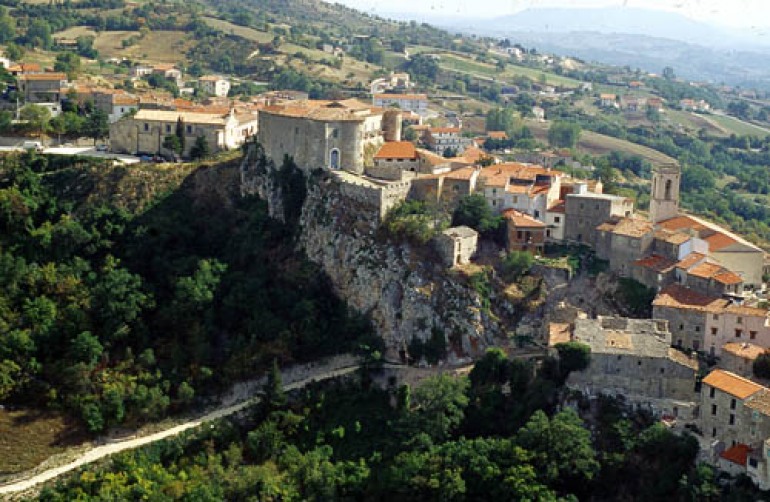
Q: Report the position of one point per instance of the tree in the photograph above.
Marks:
(14, 52)
(172, 143)
(761, 366)
(275, 398)
(7, 28)
(39, 34)
(563, 134)
(562, 451)
(438, 406)
(69, 63)
(515, 264)
(410, 134)
(200, 149)
(97, 125)
(36, 118)
(180, 133)
(573, 356)
(473, 211)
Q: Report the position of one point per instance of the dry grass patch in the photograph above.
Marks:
(27, 438)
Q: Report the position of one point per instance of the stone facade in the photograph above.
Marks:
(523, 232)
(457, 245)
(633, 359)
(146, 130)
(42, 87)
(739, 358)
(586, 211)
(338, 135)
(734, 409)
(623, 241)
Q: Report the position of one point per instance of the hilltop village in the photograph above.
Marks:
(706, 277)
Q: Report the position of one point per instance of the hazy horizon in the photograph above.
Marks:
(749, 14)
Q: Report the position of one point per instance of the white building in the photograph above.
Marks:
(215, 85)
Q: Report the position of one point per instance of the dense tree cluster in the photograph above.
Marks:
(121, 317)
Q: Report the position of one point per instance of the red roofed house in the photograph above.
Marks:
(42, 87)
(439, 139)
(524, 233)
(395, 161)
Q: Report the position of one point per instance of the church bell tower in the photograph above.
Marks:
(664, 195)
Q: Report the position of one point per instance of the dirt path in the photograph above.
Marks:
(100, 452)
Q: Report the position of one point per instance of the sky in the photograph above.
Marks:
(732, 13)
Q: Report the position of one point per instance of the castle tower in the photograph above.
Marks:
(664, 195)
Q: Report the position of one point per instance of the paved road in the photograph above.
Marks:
(85, 151)
(105, 450)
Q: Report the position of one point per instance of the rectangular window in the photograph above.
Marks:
(732, 419)
(557, 219)
(713, 409)
(168, 128)
(738, 333)
(732, 404)
(189, 129)
(146, 126)
(714, 331)
(753, 335)
(697, 329)
(716, 317)
(739, 320)
(681, 327)
(712, 392)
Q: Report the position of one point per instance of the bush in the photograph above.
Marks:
(516, 264)
(761, 366)
(414, 221)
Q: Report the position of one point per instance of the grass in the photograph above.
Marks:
(695, 122)
(156, 47)
(737, 126)
(600, 144)
(241, 31)
(28, 438)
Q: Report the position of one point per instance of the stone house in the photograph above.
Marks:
(686, 311)
(585, 211)
(456, 245)
(739, 358)
(524, 233)
(528, 189)
(712, 279)
(608, 100)
(145, 131)
(554, 221)
(214, 85)
(737, 324)
(622, 241)
(439, 139)
(323, 134)
(42, 87)
(396, 160)
(633, 359)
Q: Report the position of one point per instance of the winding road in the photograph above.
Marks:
(103, 451)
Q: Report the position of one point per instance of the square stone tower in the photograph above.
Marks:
(664, 195)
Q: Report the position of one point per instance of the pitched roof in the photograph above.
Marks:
(348, 110)
(732, 384)
(716, 272)
(559, 333)
(718, 238)
(630, 227)
(430, 158)
(677, 296)
(520, 219)
(397, 150)
(558, 207)
(463, 174)
(737, 454)
(44, 76)
(497, 134)
(744, 350)
(187, 117)
(759, 402)
(690, 261)
(657, 263)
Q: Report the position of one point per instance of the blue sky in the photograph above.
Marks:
(733, 13)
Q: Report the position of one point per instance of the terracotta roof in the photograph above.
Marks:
(659, 264)
(716, 272)
(558, 207)
(559, 333)
(349, 110)
(474, 154)
(717, 237)
(44, 76)
(187, 117)
(464, 174)
(608, 96)
(124, 99)
(630, 227)
(672, 237)
(677, 296)
(680, 357)
(444, 130)
(497, 135)
(744, 350)
(413, 97)
(397, 150)
(747, 311)
(732, 384)
(520, 219)
(738, 454)
(211, 78)
(690, 260)
(430, 158)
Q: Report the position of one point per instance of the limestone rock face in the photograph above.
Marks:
(406, 292)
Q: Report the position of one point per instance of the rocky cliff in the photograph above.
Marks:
(405, 291)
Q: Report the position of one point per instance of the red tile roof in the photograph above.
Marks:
(522, 220)
(497, 135)
(732, 384)
(716, 272)
(558, 207)
(677, 296)
(397, 150)
(657, 263)
(690, 260)
(738, 454)
(44, 76)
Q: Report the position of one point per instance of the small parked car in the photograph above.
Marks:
(102, 148)
(32, 145)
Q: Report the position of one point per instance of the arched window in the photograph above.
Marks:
(334, 159)
(669, 183)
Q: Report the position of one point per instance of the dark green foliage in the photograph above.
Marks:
(761, 366)
(200, 149)
(119, 317)
(274, 395)
(573, 356)
(414, 221)
(432, 350)
(474, 211)
(563, 134)
(516, 264)
(635, 297)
